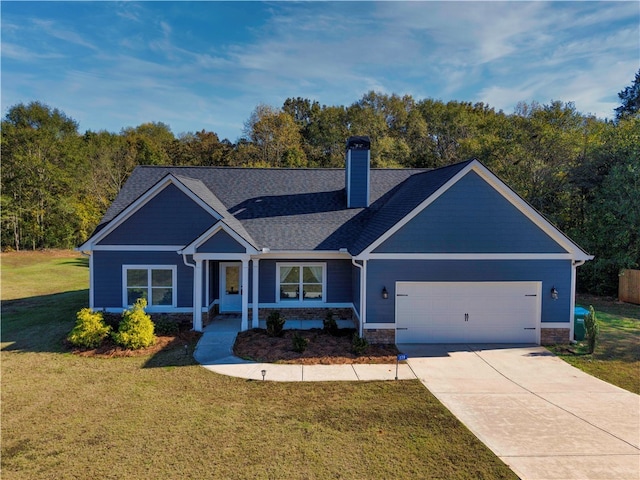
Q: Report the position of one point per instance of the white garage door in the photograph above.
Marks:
(467, 312)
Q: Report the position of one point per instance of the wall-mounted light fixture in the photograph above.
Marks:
(263, 372)
(554, 293)
(385, 294)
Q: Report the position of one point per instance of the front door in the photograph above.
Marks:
(230, 287)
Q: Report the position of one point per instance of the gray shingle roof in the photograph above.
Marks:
(295, 209)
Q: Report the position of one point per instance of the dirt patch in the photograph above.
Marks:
(110, 350)
(322, 348)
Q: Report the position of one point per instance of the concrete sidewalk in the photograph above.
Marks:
(214, 352)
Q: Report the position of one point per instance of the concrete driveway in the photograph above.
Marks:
(542, 417)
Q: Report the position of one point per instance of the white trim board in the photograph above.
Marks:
(468, 256)
(155, 310)
(137, 248)
(312, 255)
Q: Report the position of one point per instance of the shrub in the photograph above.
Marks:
(329, 324)
(275, 324)
(359, 344)
(592, 329)
(90, 329)
(299, 343)
(165, 326)
(136, 328)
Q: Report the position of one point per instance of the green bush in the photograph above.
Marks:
(136, 328)
(592, 329)
(329, 324)
(90, 329)
(359, 344)
(299, 343)
(275, 324)
(165, 326)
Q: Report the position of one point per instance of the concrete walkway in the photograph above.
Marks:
(214, 352)
(544, 418)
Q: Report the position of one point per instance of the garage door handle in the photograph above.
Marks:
(402, 294)
(401, 328)
(529, 328)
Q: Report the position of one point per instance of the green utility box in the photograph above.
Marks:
(578, 322)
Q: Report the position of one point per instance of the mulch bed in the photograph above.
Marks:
(109, 349)
(322, 348)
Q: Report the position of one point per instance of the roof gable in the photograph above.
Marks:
(169, 218)
(563, 243)
(470, 217)
(145, 221)
(404, 199)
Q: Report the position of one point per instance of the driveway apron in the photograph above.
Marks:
(541, 416)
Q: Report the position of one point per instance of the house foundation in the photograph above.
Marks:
(380, 336)
(553, 336)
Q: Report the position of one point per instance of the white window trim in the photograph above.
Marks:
(174, 285)
(300, 301)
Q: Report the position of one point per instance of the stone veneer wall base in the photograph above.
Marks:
(553, 336)
(380, 336)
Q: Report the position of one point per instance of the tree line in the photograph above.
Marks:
(581, 172)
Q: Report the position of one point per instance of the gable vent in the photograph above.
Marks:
(357, 176)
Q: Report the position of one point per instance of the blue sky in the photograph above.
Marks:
(207, 65)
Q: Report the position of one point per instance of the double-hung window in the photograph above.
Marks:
(156, 283)
(301, 282)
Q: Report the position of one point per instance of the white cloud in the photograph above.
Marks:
(23, 54)
(148, 67)
(64, 33)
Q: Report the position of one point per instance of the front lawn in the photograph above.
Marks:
(161, 416)
(617, 355)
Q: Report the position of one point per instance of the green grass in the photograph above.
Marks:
(617, 355)
(162, 416)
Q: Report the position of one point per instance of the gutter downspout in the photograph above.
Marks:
(363, 303)
(184, 259)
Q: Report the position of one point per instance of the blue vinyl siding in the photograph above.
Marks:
(385, 273)
(221, 242)
(339, 281)
(214, 280)
(169, 218)
(355, 287)
(107, 275)
(358, 178)
(470, 217)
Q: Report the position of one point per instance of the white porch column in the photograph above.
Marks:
(197, 296)
(254, 300)
(244, 325)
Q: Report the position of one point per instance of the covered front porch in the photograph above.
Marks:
(230, 276)
(225, 284)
